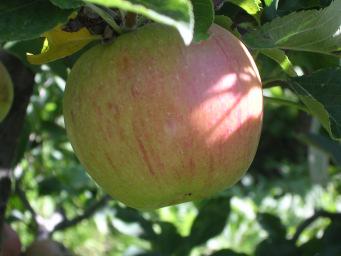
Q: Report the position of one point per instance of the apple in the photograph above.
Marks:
(158, 123)
(46, 247)
(6, 92)
(11, 245)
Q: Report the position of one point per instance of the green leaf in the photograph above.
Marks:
(273, 225)
(203, 16)
(210, 221)
(226, 22)
(331, 238)
(28, 19)
(286, 7)
(283, 60)
(130, 215)
(149, 254)
(269, 69)
(227, 252)
(250, 6)
(268, 2)
(312, 30)
(311, 247)
(67, 4)
(270, 10)
(223, 21)
(332, 148)
(168, 238)
(321, 93)
(50, 185)
(307, 60)
(332, 232)
(20, 48)
(176, 13)
(281, 247)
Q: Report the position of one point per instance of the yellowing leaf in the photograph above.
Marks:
(59, 44)
(250, 6)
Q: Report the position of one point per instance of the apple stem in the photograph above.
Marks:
(106, 16)
(129, 20)
(286, 103)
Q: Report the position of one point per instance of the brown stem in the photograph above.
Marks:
(130, 20)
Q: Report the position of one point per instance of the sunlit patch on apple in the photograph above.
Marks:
(170, 127)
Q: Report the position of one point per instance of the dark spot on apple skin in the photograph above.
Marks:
(188, 194)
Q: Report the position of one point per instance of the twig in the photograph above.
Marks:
(105, 16)
(130, 20)
(286, 103)
(307, 222)
(64, 224)
(22, 196)
(40, 230)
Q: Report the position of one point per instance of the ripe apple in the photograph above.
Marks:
(6, 92)
(46, 247)
(157, 123)
(11, 245)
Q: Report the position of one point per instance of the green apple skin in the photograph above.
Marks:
(157, 123)
(6, 92)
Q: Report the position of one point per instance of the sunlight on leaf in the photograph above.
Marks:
(59, 44)
(250, 6)
(176, 13)
(309, 30)
(283, 60)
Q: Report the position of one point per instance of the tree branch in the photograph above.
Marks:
(10, 128)
(86, 214)
(310, 220)
(39, 229)
(22, 196)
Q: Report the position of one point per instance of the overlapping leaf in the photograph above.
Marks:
(204, 16)
(321, 93)
(210, 221)
(250, 6)
(311, 30)
(59, 44)
(176, 13)
(280, 57)
(27, 19)
(327, 145)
